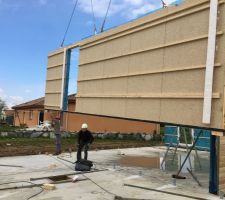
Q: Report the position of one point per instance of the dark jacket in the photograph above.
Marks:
(85, 137)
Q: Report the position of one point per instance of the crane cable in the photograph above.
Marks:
(93, 17)
(163, 4)
(106, 15)
(71, 17)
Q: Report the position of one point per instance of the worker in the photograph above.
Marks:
(85, 138)
(57, 129)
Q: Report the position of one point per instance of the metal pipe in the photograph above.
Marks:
(175, 152)
(185, 138)
(168, 148)
(125, 198)
(196, 153)
(38, 185)
(165, 192)
(194, 177)
(70, 174)
(196, 140)
(11, 166)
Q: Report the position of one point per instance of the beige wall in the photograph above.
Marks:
(154, 68)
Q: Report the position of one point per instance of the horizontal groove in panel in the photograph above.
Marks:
(56, 52)
(55, 66)
(53, 92)
(145, 25)
(149, 72)
(153, 48)
(149, 96)
(54, 79)
(47, 105)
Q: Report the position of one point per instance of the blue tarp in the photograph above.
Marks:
(171, 135)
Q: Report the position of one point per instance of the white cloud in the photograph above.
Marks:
(141, 10)
(168, 1)
(10, 100)
(134, 2)
(99, 6)
(128, 8)
(2, 94)
(14, 100)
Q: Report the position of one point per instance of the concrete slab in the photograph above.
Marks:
(135, 166)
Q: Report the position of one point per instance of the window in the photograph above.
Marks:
(31, 115)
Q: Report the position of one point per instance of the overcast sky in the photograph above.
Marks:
(29, 29)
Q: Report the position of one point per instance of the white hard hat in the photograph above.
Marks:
(84, 125)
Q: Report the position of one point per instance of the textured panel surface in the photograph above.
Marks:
(55, 80)
(154, 68)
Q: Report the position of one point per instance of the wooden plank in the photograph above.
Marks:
(148, 72)
(161, 96)
(219, 33)
(219, 134)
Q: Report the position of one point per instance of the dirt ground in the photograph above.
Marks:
(34, 146)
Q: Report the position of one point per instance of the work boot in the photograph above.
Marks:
(56, 154)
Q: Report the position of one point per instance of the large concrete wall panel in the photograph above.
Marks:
(154, 68)
(186, 54)
(187, 26)
(146, 62)
(144, 108)
(55, 80)
(54, 86)
(54, 73)
(52, 101)
(149, 38)
(173, 80)
(55, 60)
(93, 70)
(144, 84)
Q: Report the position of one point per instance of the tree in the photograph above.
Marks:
(2, 106)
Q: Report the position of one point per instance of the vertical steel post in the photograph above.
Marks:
(213, 177)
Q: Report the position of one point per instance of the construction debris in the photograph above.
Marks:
(48, 186)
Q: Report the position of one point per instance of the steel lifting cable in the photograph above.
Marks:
(106, 15)
(70, 20)
(163, 4)
(18, 187)
(93, 17)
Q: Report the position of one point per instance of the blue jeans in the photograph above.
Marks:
(58, 143)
